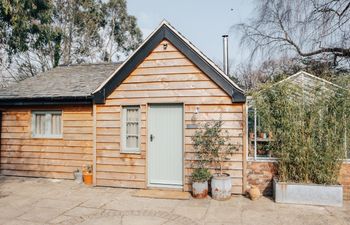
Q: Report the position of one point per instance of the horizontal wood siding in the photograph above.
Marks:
(23, 155)
(166, 76)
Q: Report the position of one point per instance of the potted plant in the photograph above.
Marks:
(213, 145)
(308, 132)
(262, 135)
(87, 174)
(251, 134)
(78, 176)
(200, 177)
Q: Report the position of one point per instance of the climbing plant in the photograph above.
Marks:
(309, 127)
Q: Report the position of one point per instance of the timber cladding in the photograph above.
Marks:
(165, 76)
(22, 155)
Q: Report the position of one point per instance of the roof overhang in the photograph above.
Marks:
(165, 31)
(47, 101)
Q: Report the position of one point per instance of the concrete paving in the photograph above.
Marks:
(34, 201)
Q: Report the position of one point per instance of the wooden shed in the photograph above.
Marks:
(133, 122)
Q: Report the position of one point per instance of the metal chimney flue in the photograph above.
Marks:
(225, 55)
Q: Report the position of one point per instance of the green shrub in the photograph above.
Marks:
(200, 175)
(309, 128)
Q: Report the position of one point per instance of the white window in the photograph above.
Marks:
(47, 124)
(130, 129)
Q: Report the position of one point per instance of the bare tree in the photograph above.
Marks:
(313, 29)
(250, 76)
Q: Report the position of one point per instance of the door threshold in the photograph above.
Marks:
(163, 194)
(164, 187)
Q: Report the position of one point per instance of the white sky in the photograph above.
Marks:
(203, 22)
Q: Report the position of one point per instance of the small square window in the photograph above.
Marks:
(130, 129)
(47, 124)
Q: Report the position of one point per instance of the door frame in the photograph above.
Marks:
(147, 180)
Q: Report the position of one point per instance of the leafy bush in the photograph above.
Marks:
(309, 127)
(200, 175)
(212, 144)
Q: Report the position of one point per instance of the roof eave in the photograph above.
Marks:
(46, 101)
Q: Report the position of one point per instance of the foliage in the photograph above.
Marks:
(37, 35)
(123, 32)
(200, 175)
(212, 144)
(308, 125)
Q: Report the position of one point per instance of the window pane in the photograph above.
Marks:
(132, 114)
(132, 142)
(56, 124)
(132, 128)
(39, 124)
(46, 124)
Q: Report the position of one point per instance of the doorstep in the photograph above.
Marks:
(162, 194)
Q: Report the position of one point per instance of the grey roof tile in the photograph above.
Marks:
(62, 81)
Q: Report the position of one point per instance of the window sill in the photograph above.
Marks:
(131, 152)
(47, 137)
(250, 159)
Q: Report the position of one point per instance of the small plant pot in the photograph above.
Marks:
(200, 189)
(87, 178)
(251, 136)
(263, 135)
(254, 193)
(221, 187)
(270, 135)
(78, 176)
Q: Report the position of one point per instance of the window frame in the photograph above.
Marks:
(255, 156)
(123, 135)
(48, 123)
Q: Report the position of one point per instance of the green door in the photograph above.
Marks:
(165, 145)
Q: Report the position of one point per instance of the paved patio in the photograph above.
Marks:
(31, 201)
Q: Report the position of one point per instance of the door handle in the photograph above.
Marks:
(151, 137)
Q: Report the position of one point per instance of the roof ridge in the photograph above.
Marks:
(90, 64)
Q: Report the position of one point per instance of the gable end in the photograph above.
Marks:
(164, 32)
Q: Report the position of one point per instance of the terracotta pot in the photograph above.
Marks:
(87, 178)
(254, 193)
(251, 135)
(200, 189)
(270, 135)
(263, 135)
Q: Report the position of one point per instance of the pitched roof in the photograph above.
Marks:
(166, 31)
(82, 84)
(303, 78)
(75, 82)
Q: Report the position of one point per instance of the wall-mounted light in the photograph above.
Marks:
(165, 46)
(194, 116)
(196, 111)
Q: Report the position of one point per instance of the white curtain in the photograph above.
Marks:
(40, 124)
(56, 124)
(132, 128)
